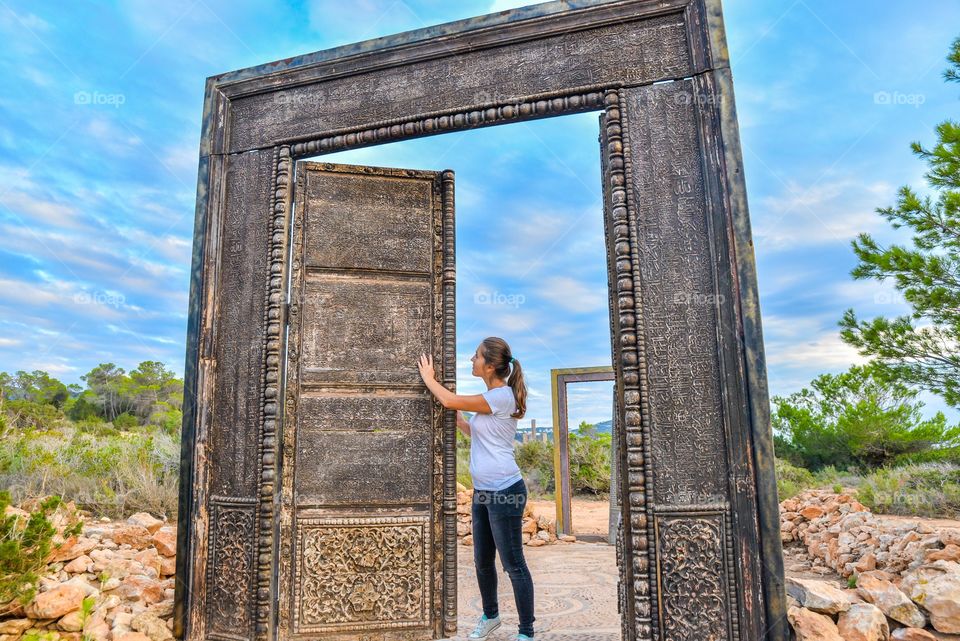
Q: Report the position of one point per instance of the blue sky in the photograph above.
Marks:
(99, 129)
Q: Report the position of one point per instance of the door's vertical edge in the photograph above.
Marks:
(751, 362)
(557, 477)
(747, 602)
(562, 483)
(613, 313)
(449, 351)
(286, 546)
(629, 361)
(192, 515)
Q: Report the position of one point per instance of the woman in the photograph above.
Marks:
(499, 491)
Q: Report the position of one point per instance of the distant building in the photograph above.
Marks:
(526, 434)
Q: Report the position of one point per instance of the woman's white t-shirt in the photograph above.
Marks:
(492, 463)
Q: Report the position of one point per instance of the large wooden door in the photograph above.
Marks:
(368, 474)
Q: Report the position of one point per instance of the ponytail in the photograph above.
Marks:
(519, 389)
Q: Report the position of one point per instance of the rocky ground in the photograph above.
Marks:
(127, 568)
(851, 575)
(878, 578)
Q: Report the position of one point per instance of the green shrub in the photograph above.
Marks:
(170, 419)
(791, 480)
(589, 461)
(98, 428)
(859, 419)
(125, 421)
(28, 415)
(535, 459)
(463, 460)
(926, 489)
(25, 545)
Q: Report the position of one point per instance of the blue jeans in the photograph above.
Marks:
(497, 523)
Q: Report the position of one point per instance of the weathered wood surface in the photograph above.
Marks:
(366, 450)
(699, 526)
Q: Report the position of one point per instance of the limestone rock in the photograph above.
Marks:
(912, 634)
(136, 536)
(529, 526)
(165, 540)
(811, 512)
(949, 553)
(810, 626)
(71, 621)
(145, 520)
(15, 627)
(894, 603)
(939, 594)
(54, 603)
(152, 626)
(818, 596)
(78, 565)
(863, 622)
(71, 549)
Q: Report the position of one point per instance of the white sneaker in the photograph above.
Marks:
(484, 627)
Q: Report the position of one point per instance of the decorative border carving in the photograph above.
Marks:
(695, 573)
(231, 538)
(270, 412)
(448, 376)
(632, 370)
(537, 106)
(315, 532)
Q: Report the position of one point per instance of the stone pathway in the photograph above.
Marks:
(575, 593)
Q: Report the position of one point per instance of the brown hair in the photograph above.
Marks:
(496, 352)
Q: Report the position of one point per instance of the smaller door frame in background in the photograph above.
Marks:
(559, 378)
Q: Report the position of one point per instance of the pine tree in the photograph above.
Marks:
(922, 348)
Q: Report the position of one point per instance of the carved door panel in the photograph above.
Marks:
(368, 472)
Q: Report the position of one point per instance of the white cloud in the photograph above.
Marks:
(806, 342)
(823, 213)
(114, 139)
(574, 295)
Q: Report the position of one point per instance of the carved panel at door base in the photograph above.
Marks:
(362, 573)
(693, 577)
(231, 545)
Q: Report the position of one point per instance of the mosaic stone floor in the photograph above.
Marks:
(575, 594)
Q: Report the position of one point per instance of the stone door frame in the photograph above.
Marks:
(659, 71)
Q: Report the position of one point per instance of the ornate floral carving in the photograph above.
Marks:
(231, 544)
(694, 593)
(362, 573)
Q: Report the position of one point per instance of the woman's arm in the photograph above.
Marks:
(450, 400)
(464, 425)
